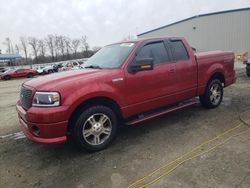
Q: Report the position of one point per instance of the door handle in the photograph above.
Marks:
(172, 71)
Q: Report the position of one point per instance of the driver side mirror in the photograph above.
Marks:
(142, 64)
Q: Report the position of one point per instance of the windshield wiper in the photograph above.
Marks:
(93, 67)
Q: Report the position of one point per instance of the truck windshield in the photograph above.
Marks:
(110, 57)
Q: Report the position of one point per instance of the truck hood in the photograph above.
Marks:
(55, 81)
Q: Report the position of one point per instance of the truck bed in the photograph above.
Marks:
(213, 54)
(206, 61)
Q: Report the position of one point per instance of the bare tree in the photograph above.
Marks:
(24, 48)
(33, 42)
(12, 49)
(85, 45)
(56, 47)
(75, 45)
(67, 41)
(41, 47)
(9, 46)
(50, 44)
(17, 51)
(61, 45)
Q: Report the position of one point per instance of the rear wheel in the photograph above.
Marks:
(50, 71)
(213, 95)
(95, 128)
(7, 77)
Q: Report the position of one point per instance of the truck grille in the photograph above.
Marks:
(25, 97)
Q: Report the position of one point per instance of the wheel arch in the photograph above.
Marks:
(101, 100)
(217, 75)
(7, 76)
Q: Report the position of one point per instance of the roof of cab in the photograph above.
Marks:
(150, 38)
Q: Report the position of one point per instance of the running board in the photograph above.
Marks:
(143, 117)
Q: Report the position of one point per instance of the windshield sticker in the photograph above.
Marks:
(127, 44)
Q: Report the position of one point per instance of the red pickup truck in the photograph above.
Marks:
(128, 82)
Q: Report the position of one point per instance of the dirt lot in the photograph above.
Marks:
(138, 150)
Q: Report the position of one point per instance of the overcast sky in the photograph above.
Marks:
(103, 21)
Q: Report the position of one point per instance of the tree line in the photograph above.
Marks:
(52, 48)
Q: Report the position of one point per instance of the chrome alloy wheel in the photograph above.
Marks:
(215, 94)
(97, 128)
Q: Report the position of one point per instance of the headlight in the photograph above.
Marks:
(46, 99)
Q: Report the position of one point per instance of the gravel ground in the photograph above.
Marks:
(137, 151)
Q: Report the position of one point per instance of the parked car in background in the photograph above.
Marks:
(59, 65)
(81, 62)
(2, 69)
(39, 69)
(248, 67)
(48, 69)
(56, 67)
(29, 73)
(128, 82)
(75, 63)
(72, 65)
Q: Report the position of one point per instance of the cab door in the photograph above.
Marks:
(19, 73)
(151, 89)
(186, 69)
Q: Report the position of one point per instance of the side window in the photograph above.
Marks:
(19, 70)
(157, 51)
(179, 50)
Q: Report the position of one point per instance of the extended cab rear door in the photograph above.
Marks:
(186, 68)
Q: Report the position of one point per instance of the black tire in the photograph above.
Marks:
(206, 100)
(30, 75)
(7, 77)
(83, 120)
(248, 73)
(50, 71)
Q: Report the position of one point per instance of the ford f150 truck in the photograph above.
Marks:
(123, 83)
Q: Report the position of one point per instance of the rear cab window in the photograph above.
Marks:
(155, 50)
(179, 51)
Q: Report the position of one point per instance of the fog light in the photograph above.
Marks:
(35, 130)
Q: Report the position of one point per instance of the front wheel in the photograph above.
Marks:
(30, 75)
(213, 94)
(95, 128)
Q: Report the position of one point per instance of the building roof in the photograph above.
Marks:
(200, 15)
(9, 56)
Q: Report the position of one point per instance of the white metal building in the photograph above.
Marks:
(226, 30)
